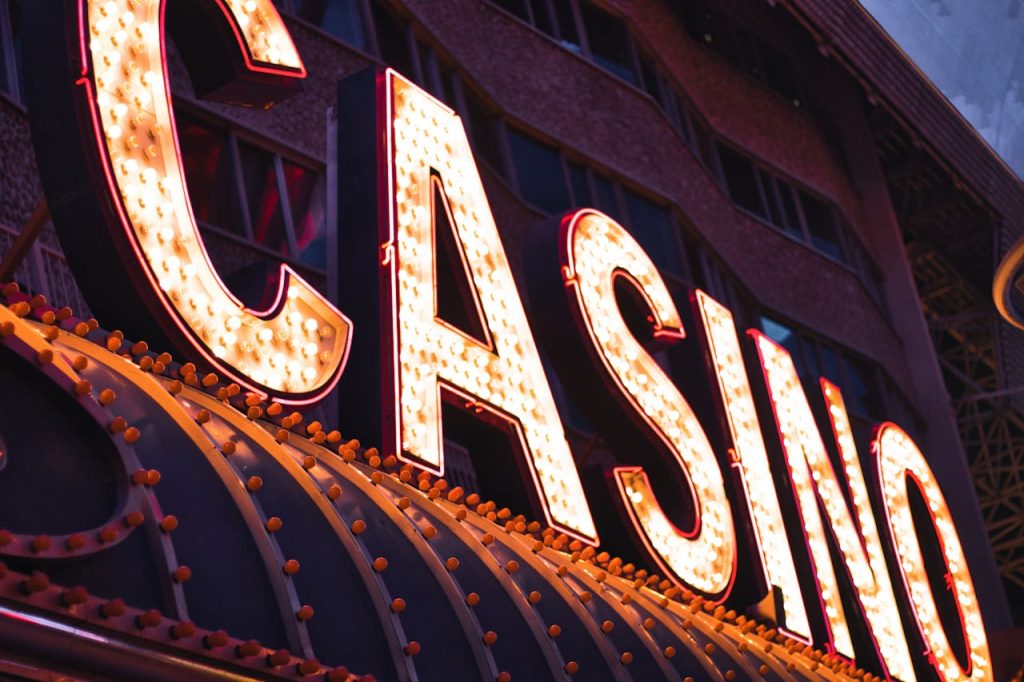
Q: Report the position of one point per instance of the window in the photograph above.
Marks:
(539, 172)
(741, 180)
(821, 226)
(609, 42)
(740, 47)
(814, 357)
(253, 200)
(10, 49)
(343, 19)
(654, 229)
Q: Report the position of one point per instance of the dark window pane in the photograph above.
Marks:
(207, 162)
(774, 210)
(392, 40)
(341, 18)
(653, 228)
(306, 200)
(539, 169)
(605, 199)
(787, 338)
(608, 38)
(830, 365)
(857, 390)
(264, 200)
(790, 218)
(483, 128)
(448, 79)
(11, 72)
(567, 33)
(778, 73)
(516, 7)
(652, 83)
(542, 19)
(741, 180)
(821, 224)
(580, 188)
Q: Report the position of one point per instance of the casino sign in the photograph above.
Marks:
(147, 504)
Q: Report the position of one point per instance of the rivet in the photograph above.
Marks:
(334, 492)
(380, 564)
(291, 567)
(229, 447)
(254, 483)
(403, 503)
(358, 526)
(248, 649)
(398, 605)
(669, 651)
(534, 597)
(83, 387)
(274, 409)
(281, 436)
(487, 539)
(763, 669)
(74, 596)
(175, 387)
(490, 637)
(75, 542)
(472, 599)
(310, 666)
(6, 329)
(41, 543)
(117, 425)
(503, 676)
(709, 648)
(572, 667)
(512, 566)
(203, 416)
(626, 658)
(148, 619)
(44, 357)
(134, 519)
(169, 523)
(279, 658)
(113, 608)
(607, 626)
(304, 613)
(183, 630)
(412, 648)
(648, 623)
(451, 563)
(107, 534)
(182, 574)
(274, 524)
(339, 674)
(585, 596)
(254, 412)
(107, 396)
(216, 639)
(429, 532)
(36, 582)
(562, 571)
(209, 380)
(376, 478)
(554, 631)
(308, 462)
(131, 435)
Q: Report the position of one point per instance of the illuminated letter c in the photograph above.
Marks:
(115, 183)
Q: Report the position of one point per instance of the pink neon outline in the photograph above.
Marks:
(285, 272)
(837, 401)
(663, 331)
(389, 278)
(251, 62)
(876, 450)
(698, 297)
(830, 643)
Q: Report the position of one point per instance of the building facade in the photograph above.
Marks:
(783, 157)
